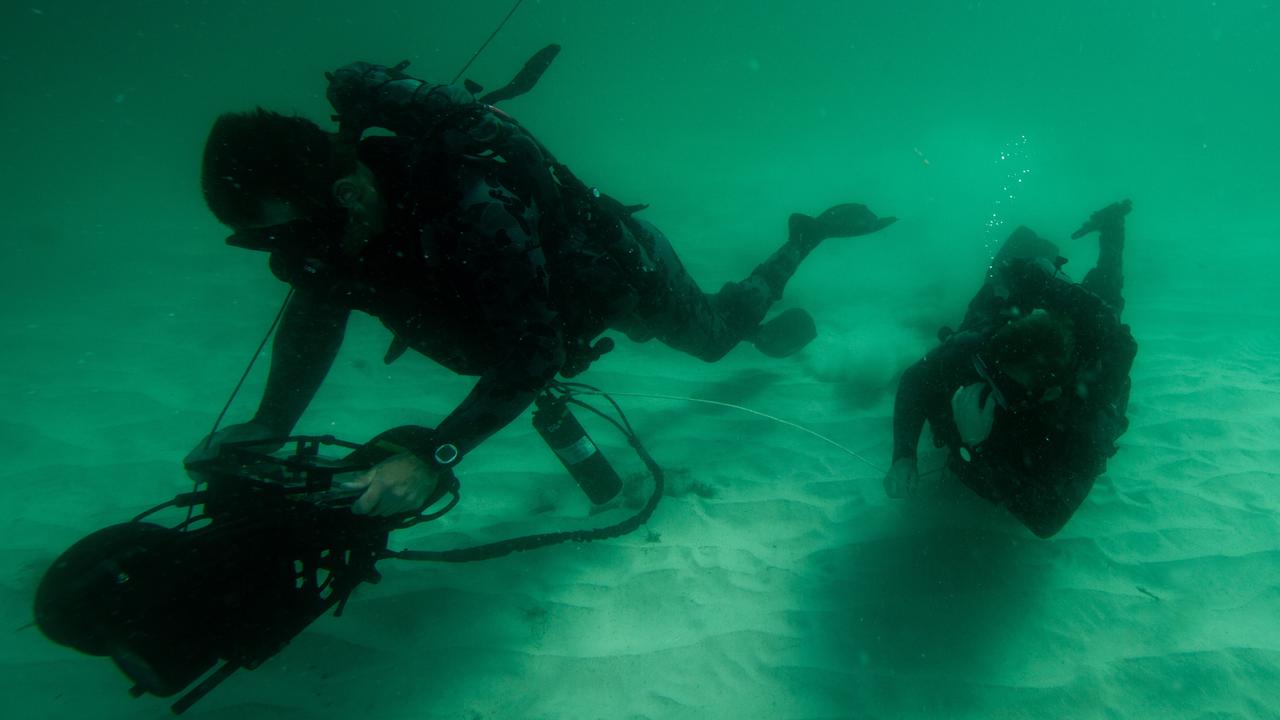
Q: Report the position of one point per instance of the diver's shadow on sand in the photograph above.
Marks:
(937, 596)
(427, 638)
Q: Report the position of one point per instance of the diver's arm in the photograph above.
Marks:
(306, 344)
(922, 390)
(910, 410)
(912, 406)
(408, 481)
(510, 284)
(506, 390)
(926, 388)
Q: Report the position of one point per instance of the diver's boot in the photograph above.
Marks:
(786, 334)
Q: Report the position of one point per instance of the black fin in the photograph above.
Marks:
(528, 76)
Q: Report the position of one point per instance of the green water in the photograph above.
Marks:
(126, 319)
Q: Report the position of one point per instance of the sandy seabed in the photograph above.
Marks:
(775, 579)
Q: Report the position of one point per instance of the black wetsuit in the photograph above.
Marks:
(495, 262)
(1041, 462)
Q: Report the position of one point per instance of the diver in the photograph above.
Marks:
(1029, 395)
(475, 247)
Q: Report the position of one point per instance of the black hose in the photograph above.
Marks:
(502, 548)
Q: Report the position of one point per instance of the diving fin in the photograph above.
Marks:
(786, 334)
(528, 76)
(846, 220)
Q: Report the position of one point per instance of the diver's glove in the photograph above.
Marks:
(208, 448)
(1108, 217)
(847, 220)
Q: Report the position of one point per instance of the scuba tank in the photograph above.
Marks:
(569, 440)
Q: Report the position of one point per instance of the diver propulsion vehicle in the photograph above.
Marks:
(269, 544)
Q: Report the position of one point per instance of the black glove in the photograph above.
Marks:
(1109, 216)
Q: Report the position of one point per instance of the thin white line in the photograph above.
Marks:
(779, 420)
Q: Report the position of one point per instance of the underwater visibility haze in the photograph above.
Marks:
(776, 578)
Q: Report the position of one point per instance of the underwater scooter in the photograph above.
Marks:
(268, 546)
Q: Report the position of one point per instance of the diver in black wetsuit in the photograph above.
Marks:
(1029, 396)
(475, 247)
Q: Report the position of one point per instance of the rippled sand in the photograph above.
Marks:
(775, 579)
